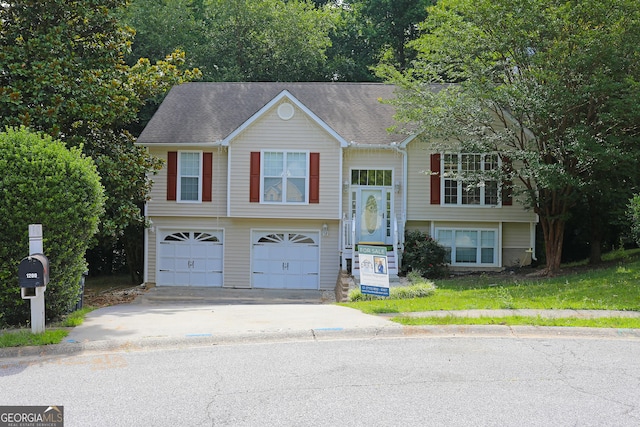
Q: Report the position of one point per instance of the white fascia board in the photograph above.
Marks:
(406, 142)
(180, 144)
(285, 94)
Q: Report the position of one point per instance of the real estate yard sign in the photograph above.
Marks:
(374, 276)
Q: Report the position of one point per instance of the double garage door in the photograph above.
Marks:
(279, 260)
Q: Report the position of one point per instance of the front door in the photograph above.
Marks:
(373, 208)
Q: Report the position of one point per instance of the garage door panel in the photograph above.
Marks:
(309, 280)
(170, 278)
(214, 265)
(182, 250)
(166, 250)
(166, 263)
(310, 267)
(214, 251)
(261, 251)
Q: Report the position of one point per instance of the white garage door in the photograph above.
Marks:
(285, 260)
(190, 258)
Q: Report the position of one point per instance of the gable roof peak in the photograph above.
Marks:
(201, 112)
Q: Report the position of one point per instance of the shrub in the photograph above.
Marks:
(634, 216)
(43, 182)
(423, 254)
(418, 290)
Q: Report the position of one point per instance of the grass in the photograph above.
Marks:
(603, 322)
(24, 338)
(616, 287)
(55, 333)
(76, 318)
(52, 335)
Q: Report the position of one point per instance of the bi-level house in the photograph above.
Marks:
(274, 185)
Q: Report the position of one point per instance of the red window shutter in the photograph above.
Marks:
(207, 176)
(172, 174)
(435, 179)
(254, 177)
(507, 185)
(314, 178)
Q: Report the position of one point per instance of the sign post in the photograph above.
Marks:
(374, 274)
(38, 277)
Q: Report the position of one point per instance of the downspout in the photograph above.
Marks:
(405, 177)
(341, 243)
(228, 181)
(145, 258)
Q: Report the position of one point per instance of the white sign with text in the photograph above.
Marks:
(374, 274)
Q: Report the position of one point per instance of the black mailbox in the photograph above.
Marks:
(33, 271)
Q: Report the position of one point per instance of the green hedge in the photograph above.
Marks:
(43, 182)
(423, 255)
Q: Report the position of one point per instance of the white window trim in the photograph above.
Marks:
(496, 247)
(460, 190)
(179, 179)
(306, 178)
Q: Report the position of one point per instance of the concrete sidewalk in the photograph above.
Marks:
(169, 317)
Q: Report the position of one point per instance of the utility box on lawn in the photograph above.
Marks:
(33, 271)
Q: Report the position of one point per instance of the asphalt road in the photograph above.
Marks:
(410, 381)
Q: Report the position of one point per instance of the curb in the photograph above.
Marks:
(329, 334)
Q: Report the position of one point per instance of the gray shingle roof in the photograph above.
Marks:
(209, 112)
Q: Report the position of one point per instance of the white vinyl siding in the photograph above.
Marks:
(419, 207)
(297, 135)
(158, 204)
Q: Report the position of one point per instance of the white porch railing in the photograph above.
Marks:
(349, 243)
(348, 237)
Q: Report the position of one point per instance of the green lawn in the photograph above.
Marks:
(616, 287)
(53, 334)
(604, 322)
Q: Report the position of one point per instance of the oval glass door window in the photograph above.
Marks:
(371, 214)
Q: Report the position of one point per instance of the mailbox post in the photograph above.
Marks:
(33, 273)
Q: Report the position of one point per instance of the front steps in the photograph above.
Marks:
(392, 267)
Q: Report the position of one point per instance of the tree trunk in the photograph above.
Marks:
(597, 232)
(553, 231)
(595, 256)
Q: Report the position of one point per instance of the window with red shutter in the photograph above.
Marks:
(314, 178)
(254, 178)
(207, 176)
(172, 174)
(435, 179)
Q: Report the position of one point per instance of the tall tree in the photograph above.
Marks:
(62, 71)
(394, 23)
(367, 30)
(268, 40)
(162, 26)
(552, 86)
(237, 40)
